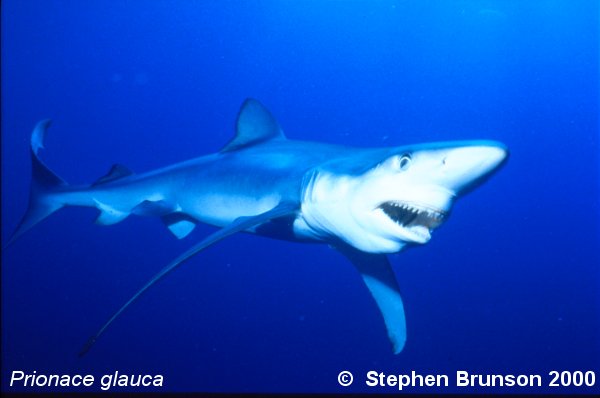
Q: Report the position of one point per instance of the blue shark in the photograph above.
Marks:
(364, 202)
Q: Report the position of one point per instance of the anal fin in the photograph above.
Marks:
(109, 215)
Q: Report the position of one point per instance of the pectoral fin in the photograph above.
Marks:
(379, 277)
(240, 224)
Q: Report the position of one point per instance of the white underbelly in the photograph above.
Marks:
(221, 210)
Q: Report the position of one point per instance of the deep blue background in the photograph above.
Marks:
(509, 285)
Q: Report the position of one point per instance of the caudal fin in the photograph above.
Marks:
(44, 186)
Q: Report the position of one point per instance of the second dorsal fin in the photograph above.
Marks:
(255, 124)
(116, 171)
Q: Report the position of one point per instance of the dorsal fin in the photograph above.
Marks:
(254, 125)
(116, 171)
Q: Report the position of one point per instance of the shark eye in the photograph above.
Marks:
(404, 162)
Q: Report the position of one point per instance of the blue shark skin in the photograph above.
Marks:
(364, 202)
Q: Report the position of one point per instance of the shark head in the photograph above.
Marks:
(400, 197)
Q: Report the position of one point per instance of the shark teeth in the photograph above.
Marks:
(406, 214)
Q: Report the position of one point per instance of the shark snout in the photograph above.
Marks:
(466, 167)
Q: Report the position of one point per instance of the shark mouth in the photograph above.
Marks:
(408, 215)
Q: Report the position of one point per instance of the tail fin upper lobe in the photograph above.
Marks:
(44, 186)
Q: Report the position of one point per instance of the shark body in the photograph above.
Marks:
(365, 202)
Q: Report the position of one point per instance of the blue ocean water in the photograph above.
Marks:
(510, 285)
